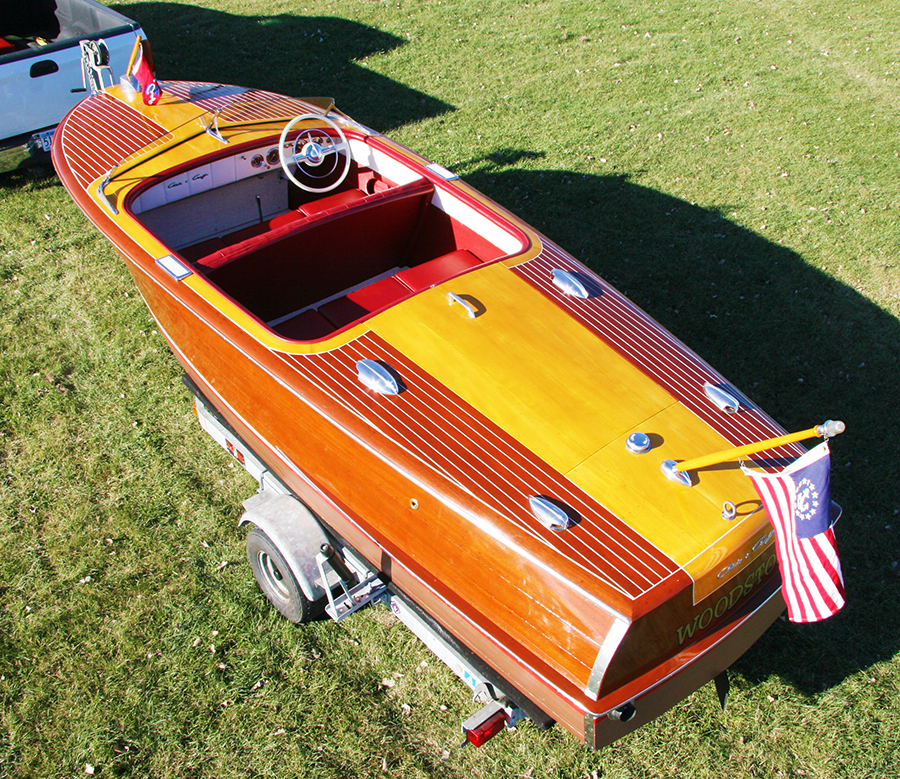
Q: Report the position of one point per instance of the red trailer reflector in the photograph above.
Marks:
(235, 452)
(485, 724)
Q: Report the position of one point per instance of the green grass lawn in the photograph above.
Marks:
(733, 167)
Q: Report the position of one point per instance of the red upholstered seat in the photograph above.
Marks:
(285, 219)
(206, 248)
(396, 206)
(435, 271)
(365, 300)
(344, 198)
(379, 294)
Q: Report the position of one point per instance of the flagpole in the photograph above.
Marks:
(134, 52)
(826, 430)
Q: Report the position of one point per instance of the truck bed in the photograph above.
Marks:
(40, 68)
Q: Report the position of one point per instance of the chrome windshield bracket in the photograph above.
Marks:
(212, 128)
(101, 194)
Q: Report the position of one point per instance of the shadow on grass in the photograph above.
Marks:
(293, 55)
(801, 344)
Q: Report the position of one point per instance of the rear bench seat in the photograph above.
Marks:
(331, 203)
(199, 251)
(219, 251)
(210, 253)
(340, 312)
(437, 270)
(380, 294)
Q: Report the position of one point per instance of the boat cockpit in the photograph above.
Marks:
(317, 229)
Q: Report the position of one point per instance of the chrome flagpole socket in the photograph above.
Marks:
(682, 477)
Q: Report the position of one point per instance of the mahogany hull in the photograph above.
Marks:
(431, 487)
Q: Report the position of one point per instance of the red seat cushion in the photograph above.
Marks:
(204, 248)
(365, 300)
(435, 271)
(285, 219)
(379, 294)
(344, 198)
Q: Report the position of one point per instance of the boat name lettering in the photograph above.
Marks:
(731, 566)
(704, 619)
(760, 543)
(763, 541)
(173, 184)
(199, 176)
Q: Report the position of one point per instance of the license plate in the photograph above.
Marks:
(44, 139)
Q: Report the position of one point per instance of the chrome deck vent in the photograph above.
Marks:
(722, 398)
(548, 513)
(570, 284)
(376, 377)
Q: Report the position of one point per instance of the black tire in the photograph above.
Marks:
(276, 579)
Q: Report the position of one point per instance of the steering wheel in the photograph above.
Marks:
(316, 154)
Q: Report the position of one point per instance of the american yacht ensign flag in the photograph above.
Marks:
(798, 502)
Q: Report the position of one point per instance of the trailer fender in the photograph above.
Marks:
(295, 530)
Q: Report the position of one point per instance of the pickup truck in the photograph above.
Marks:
(40, 68)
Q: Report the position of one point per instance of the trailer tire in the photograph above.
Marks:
(276, 580)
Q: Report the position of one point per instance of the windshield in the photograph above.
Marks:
(222, 108)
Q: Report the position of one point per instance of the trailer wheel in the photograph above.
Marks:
(276, 579)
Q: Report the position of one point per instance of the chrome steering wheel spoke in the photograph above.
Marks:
(316, 154)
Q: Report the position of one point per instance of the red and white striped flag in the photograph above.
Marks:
(798, 502)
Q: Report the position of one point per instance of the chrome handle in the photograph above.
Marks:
(454, 298)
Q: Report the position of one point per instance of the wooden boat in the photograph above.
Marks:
(475, 413)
